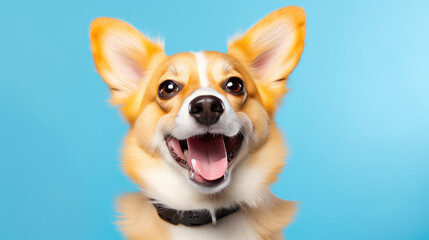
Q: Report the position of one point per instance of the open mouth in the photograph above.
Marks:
(206, 157)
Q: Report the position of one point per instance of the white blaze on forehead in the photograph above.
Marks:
(202, 68)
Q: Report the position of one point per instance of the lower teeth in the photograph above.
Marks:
(225, 176)
(191, 173)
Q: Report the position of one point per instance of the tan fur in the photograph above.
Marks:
(134, 66)
(139, 219)
(270, 219)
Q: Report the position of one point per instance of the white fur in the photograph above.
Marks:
(202, 68)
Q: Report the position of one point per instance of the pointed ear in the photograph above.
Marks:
(271, 49)
(122, 55)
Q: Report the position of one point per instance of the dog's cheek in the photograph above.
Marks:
(146, 125)
(259, 118)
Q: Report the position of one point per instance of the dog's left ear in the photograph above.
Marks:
(122, 56)
(271, 50)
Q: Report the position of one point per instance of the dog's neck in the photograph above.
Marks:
(140, 220)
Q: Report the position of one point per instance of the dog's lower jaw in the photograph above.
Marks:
(211, 190)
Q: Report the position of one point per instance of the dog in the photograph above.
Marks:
(202, 146)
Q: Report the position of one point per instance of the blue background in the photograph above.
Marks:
(356, 119)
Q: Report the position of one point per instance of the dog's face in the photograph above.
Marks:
(197, 116)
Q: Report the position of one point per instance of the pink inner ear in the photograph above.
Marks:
(264, 59)
(132, 68)
(273, 46)
(125, 63)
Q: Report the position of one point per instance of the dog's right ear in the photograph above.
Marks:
(122, 56)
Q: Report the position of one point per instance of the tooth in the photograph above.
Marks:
(191, 174)
(194, 164)
(185, 153)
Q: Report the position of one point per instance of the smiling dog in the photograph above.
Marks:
(202, 145)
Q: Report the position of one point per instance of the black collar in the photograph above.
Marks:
(192, 218)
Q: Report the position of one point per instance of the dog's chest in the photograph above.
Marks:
(235, 226)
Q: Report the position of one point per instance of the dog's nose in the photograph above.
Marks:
(206, 109)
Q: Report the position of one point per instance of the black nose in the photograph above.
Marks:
(206, 109)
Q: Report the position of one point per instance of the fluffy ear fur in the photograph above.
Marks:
(122, 55)
(271, 49)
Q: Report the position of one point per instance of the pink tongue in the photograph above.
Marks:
(209, 155)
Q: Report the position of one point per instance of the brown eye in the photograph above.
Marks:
(234, 85)
(168, 89)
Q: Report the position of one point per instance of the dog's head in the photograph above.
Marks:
(199, 117)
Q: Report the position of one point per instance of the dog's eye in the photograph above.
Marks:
(234, 85)
(168, 89)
